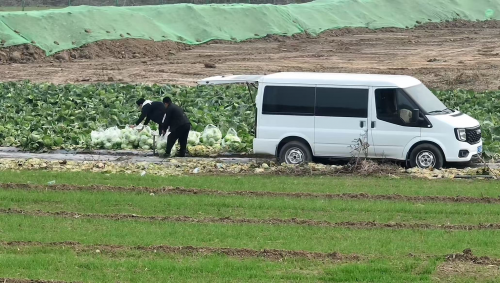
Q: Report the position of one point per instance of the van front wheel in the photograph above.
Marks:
(295, 152)
(426, 156)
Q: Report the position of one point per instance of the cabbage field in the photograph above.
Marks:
(46, 116)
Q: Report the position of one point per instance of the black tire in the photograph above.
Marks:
(295, 152)
(426, 156)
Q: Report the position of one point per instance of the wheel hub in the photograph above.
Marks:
(426, 159)
(294, 156)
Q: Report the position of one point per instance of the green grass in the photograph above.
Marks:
(199, 206)
(384, 252)
(66, 264)
(36, 262)
(370, 242)
(403, 270)
(316, 184)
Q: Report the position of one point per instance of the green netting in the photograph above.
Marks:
(57, 30)
(330, 14)
(8, 37)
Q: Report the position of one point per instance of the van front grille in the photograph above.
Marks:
(473, 136)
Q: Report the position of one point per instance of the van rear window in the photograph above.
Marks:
(342, 102)
(288, 100)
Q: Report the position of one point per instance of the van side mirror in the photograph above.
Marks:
(415, 115)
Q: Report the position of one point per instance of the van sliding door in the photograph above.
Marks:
(341, 119)
(287, 111)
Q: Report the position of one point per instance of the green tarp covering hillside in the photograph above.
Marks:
(57, 30)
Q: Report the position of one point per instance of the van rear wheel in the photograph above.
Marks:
(295, 152)
(426, 156)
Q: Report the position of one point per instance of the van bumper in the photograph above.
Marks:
(464, 152)
(265, 146)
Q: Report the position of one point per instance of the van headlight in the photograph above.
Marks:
(461, 134)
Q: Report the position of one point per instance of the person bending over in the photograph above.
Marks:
(152, 111)
(179, 125)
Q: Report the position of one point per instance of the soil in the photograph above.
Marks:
(466, 272)
(270, 254)
(468, 256)
(444, 56)
(16, 280)
(269, 221)
(187, 191)
(122, 3)
(466, 267)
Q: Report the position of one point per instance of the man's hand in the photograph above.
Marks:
(163, 132)
(132, 126)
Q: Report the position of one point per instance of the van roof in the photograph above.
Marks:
(304, 78)
(340, 79)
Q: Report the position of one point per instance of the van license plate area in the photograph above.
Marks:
(479, 149)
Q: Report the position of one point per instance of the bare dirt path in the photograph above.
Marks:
(445, 56)
(119, 157)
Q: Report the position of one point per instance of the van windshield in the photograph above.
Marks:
(427, 101)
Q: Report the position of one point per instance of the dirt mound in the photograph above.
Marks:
(468, 256)
(106, 49)
(492, 24)
(130, 49)
(148, 49)
(22, 54)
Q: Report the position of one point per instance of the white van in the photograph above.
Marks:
(306, 115)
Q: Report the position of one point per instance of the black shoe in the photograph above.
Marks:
(181, 155)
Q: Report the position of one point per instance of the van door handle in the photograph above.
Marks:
(373, 124)
(362, 124)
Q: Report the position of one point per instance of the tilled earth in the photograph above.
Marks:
(271, 254)
(445, 56)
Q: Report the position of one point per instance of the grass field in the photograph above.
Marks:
(106, 228)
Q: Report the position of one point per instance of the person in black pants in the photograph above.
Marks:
(151, 111)
(179, 124)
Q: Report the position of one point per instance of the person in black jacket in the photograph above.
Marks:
(150, 110)
(179, 124)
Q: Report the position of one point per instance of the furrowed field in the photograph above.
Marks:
(45, 116)
(127, 228)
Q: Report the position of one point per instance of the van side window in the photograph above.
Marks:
(341, 102)
(288, 100)
(393, 106)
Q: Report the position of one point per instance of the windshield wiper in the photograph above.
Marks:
(435, 111)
